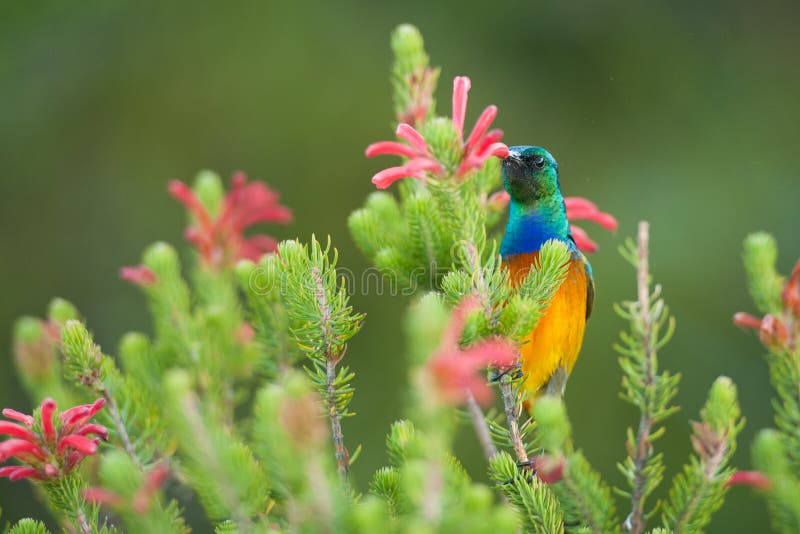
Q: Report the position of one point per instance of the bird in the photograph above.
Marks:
(537, 214)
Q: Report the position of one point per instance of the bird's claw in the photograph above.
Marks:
(515, 372)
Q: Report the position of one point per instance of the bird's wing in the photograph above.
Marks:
(589, 291)
(589, 281)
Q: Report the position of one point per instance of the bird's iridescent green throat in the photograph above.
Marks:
(537, 213)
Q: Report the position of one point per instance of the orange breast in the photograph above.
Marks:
(557, 338)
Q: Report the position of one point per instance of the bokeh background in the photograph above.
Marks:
(683, 113)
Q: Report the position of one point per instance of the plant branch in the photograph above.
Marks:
(585, 508)
(479, 280)
(512, 410)
(643, 450)
(83, 524)
(204, 444)
(709, 472)
(481, 428)
(119, 424)
(342, 456)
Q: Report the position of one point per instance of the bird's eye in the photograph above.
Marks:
(538, 162)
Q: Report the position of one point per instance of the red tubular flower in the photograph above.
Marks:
(581, 208)
(419, 157)
(58, 449)
(481, 144)
(773, 332)
(98, 430)
(48, 407)
(745, 320)
(80, 415)
(756, 479)
(16, 431)
(549, 469)
(81, 444)
(780, 330)
(141, 275)
(791, 292)
(141, 500)
(220, 239)
(15, 473)
(103, 496)
(498, 201)
(245, 334)
(20, 448)
(14, 415)
(456, 371)
(153, 481)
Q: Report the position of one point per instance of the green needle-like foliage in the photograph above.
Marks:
(585, 498)
(535, 502)
(760, 256)
(412, 77)
(291, 440)
(262, 285)
(771, 457)
(221, 467)
(700, 489)
(65, 496)
(776, 453)
(644, 385)
(239, 393)
(29, 526)
(141, 508)
(130, 409)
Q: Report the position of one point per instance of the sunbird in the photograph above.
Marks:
(538, 214)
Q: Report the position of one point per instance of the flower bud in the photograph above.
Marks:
(60, 311)
(773, 332)
(34, 350)
(791, 292)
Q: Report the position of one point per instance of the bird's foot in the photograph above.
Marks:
(514, 372)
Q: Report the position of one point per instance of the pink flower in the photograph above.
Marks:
(756, 479)
(141, 501)
(581, 208)
(745, 320)
(771, 329)
(549, 469)
(456, 370)
(141, 275)
(245, 333)
(781, 330)
(57, 449)
(481, 144)
(791, 292)
(220, 238)
(773, 332)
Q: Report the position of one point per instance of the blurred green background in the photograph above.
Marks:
(679, 112)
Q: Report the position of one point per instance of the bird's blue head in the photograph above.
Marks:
(530, 175)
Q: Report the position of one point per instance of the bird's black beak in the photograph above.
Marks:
(514, 157)
(512, 165)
